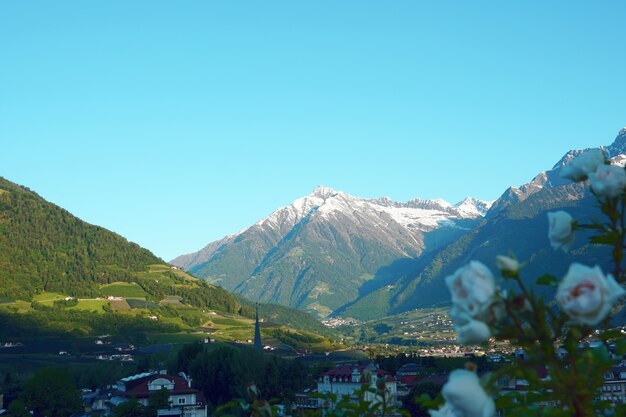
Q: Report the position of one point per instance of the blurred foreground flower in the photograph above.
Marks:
(584, 164)
(560, 232)
(507, 265)
(586, 295)
(608, 180)
(473, 288)
(465, 397)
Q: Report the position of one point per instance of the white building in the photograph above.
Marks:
(614, 387)
(345, 380)
(185, 401)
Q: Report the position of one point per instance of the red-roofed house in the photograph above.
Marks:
(185, 401)
(345, 380)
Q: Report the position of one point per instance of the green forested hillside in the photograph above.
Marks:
(45, 248)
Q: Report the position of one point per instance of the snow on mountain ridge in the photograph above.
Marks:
(551, 178)
(416, 214)
(473, 207)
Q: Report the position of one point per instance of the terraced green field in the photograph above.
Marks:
(16, 306)
(226, 322)
(123, 289)
(141, 303)
(119, 305)
(185, 323)
(96, 306)
(44, 296)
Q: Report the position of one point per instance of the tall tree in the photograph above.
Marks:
(51, 392)
(158, 401)
(130, 408)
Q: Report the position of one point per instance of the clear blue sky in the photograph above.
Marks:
(175, 123)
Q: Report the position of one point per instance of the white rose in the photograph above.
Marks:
(586, 295)
(465, 397)
(472, 287)
(507, 265)
(560, 232)
(582, 165)
(608, 180)
(468, 330)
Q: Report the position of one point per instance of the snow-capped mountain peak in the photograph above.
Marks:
(324, 230)
(418, 214)
(473, 207)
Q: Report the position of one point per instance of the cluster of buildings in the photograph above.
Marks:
(335, 322)
(345, 381)
(348, 380)
(613, 389)
(184, 400)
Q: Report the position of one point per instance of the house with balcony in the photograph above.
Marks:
(184, 400)
(346, 380)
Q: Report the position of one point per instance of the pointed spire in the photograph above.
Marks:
(257, 331)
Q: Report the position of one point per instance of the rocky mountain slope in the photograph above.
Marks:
(516, 224)
(328, 249)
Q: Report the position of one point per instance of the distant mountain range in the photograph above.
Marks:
(336, 254)
(328, 249)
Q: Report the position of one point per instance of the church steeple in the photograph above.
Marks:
(257, 331)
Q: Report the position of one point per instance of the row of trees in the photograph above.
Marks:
(223, 373)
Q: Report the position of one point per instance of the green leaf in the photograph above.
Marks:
(620, 347)
(600, 354)
(506, 401)
(548, 280)
(610, 238)
(610, 334)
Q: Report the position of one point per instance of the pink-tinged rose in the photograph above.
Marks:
(560, 231)
(586, 295)
(472, 287)
(507, 265)
(465, 397)
(584, 164)
(468, 330)
(608, 180)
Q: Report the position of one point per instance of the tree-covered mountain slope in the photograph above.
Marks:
(45, 248)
